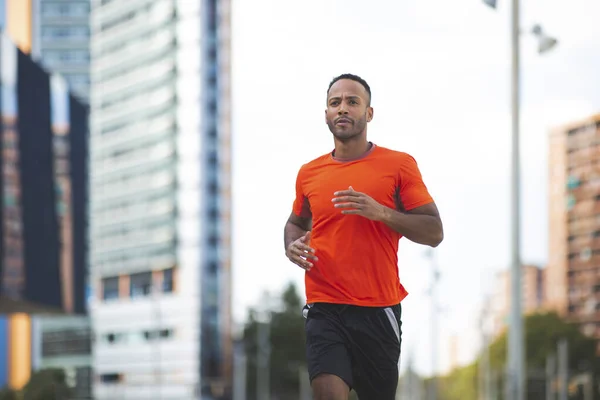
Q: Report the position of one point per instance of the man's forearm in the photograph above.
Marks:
(291, 233)
(419, 228)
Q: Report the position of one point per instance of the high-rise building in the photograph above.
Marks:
(43, 211)
(160, 200)
(56, 33)
(533, 295)
(573, 274)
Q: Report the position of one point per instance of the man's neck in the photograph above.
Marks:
(351, 149)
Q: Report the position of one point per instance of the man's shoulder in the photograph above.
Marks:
(316, 162)
(394, 155)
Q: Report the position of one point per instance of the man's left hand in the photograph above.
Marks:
(356, 203)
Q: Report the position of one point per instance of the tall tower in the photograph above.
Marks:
(160, 198)
(573, 273)
(56, 34)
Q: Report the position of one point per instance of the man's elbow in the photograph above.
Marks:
(437, 238)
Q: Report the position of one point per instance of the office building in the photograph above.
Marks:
(44, 205)
(573, 276)
(56, 34)
(532, 296)
(160, 200)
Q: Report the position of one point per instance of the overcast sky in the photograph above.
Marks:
(439, 73)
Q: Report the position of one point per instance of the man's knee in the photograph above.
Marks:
(329, 387)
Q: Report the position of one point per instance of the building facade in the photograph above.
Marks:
(44, 206)
(574, 231)
(533, 296)
(56, 34)
(160, 200)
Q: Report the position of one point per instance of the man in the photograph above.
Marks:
(352, 207)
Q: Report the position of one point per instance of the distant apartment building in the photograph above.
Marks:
(43, 207)
(532, 296)
(56, 34)
(573, 273)
(161, 199)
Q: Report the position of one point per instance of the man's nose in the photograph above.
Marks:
(342, 109)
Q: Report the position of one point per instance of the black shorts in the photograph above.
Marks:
(361, 345)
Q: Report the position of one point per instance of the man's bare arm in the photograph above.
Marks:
(295, 228)
(421, 225)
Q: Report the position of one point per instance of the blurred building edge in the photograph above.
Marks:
(160, 244)
(533, 292)
(573, 273)
(55, 33)
(43, 233)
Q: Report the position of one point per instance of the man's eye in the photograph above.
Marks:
(334, 103)
(353, 102)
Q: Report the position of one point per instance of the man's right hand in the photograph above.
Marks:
(300, 253)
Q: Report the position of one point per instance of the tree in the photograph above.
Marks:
(542, 334)
(47, 384)
(287, 340)
(8, 394)
(43, 385)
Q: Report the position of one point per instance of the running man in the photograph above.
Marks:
(352, 206)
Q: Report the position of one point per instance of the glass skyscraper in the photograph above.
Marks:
(160, 199)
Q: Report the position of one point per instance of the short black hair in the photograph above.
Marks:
(354, 78)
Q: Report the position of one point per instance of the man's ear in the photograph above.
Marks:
(369, 114)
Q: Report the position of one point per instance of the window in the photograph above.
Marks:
(66, 342)
(211, 11)
(213, 161)
(166, 333)
(61, 32)
(118, 21)
(80, 9)
(213, 214)
(167, 284)
(212, 106)
(141, 284)
(213, 187)
(111, 378)
(110, 288)
(212, 267)
(213, 241)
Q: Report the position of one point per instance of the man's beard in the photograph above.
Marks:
(349, 133)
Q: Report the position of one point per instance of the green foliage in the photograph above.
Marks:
(287, 347)
(47, 384)
(8, 394)
(461, 384)
(542, 334)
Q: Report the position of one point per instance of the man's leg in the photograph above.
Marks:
(376, 338)
(329, 365)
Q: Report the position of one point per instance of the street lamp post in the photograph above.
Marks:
(515, 388)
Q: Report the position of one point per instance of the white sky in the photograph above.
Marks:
(439, 72)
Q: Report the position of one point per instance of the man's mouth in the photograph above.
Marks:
(343, 121)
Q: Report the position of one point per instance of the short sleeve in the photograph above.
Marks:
(411, 191)
(301, 206)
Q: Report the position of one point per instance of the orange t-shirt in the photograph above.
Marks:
(358, 258)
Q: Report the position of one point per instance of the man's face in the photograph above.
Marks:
(348, 109)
